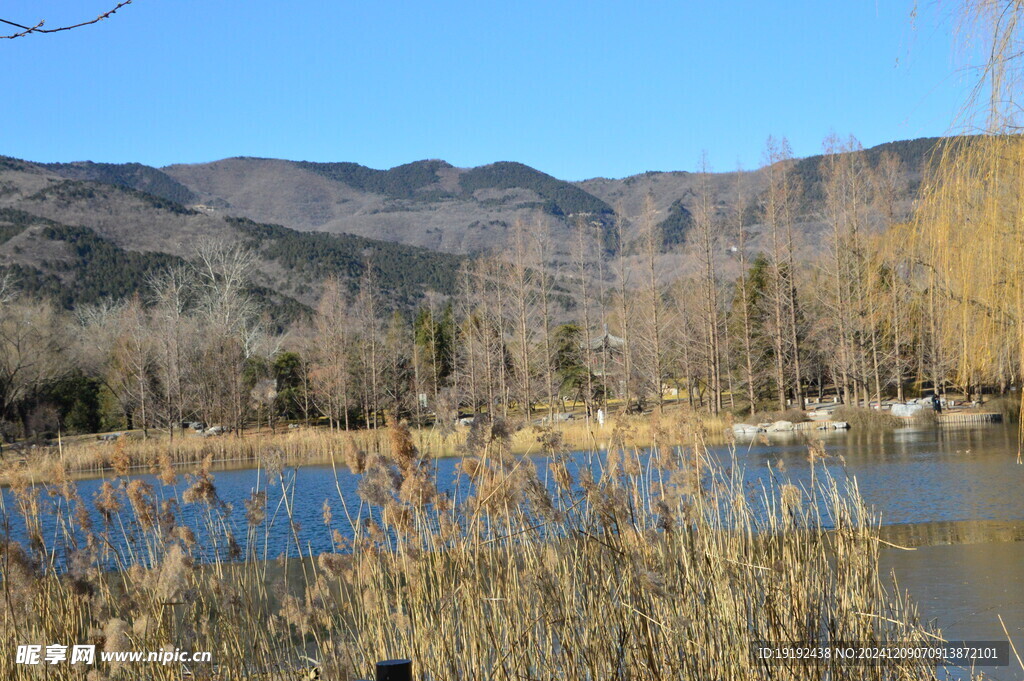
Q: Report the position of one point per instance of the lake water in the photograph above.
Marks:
(954, 495)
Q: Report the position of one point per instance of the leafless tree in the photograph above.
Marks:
(523, 307)
(174, 343)
(778, 206)
(132, 365)
(890, 184)
(367, 309)
(742, 297)
(652, 316)
(32, 353)
(706, 229)
(838, 184)
(624, 308)
(583, 254)
(469, 369)
(546, 273)
(230, 329)
(331, 355)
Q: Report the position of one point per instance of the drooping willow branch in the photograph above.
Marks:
(1004, 317)
(38, 28)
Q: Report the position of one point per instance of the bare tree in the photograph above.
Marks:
(624, 307)
(397, 385)
(653, 314)
(774, 213)
(584, 247)
(838, 186)
(494, 310)
(469, 370)
(742, 298)
(523, 290)
(174, 343)
(545, 283)
(890, 184)
(131, 366)
(368, 319)
(688, 339)
(32, 344)
(705, 230)
(331, 355)
(230, 327)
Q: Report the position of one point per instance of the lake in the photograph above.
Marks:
(953, 495)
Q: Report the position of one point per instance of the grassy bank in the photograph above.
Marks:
(89, 457)
(664, 571)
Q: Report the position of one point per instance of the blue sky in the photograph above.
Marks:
(576, 89)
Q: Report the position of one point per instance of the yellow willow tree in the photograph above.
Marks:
(968, 231)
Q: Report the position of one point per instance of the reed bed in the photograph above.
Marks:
(91, 457)
(873, 419)
(656, 567)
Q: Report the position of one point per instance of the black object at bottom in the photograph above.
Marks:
(394, 670)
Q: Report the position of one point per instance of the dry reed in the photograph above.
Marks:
(665, 566)
(89, 457)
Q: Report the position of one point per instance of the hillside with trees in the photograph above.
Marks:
(80, 242)
(744, 291)
(437, 206)
(752, 320)
(132, 175)
(401, 182)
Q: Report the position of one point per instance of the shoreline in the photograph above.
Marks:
(88, 457)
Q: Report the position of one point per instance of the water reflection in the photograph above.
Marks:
(919, 475)
(964, 588)
(916, 535)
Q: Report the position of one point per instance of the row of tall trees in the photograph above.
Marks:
(762, 317)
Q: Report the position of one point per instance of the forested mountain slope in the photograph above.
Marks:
(82, 242)
(86, 231)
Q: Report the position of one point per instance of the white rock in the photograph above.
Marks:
(906, 410)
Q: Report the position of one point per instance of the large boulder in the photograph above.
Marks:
(780, 427)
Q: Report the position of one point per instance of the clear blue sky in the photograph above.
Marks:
(576, 89)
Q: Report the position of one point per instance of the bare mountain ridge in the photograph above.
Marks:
(65, 226)
(438, 206)
(434, 205)
(674, 192)
(427, 203)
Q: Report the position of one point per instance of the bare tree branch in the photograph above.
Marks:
(38, 28)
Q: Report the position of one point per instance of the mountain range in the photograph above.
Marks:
(84, 231)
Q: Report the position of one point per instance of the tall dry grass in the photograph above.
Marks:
(85, 457)
(873, 419)
(665, 567)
